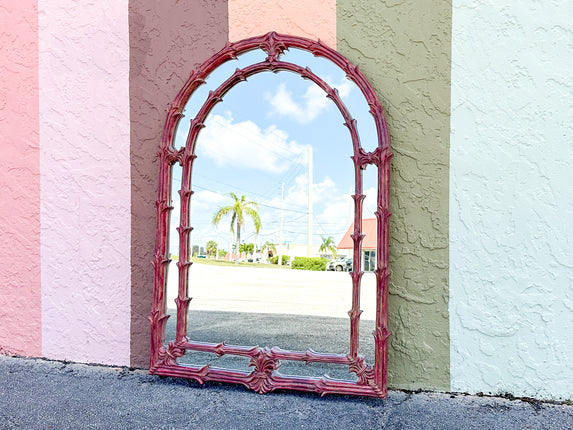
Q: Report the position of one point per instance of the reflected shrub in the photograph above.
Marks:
(275, 260)
(309, 263)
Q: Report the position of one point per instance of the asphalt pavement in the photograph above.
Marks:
(43, 394)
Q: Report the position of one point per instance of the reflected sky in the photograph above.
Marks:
(258, 139)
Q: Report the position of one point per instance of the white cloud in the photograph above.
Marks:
(296, 196)
(315, 101)
(206, 200)
(330, 207)
(246, 145)
(335, 216)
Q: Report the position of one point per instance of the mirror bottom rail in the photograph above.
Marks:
(263, 382)
(274, 353)
(265, 377)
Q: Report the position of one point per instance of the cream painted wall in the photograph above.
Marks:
(85, 180)
(511, 198)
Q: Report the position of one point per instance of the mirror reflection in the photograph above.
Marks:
(272, 215)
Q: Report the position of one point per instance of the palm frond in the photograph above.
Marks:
(255, 217)
(220, 213)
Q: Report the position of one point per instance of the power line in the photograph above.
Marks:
(260, 204)
(177, 179)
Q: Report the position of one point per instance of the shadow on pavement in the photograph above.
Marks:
(293, 332)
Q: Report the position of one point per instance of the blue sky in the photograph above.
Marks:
(258, 137)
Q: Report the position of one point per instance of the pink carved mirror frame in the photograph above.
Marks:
(370, 379)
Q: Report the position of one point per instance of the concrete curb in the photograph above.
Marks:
(44, 394)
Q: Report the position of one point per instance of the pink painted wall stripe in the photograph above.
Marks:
(313, 19)
(20, 311)
(85, 190)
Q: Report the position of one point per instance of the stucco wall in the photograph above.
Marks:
(511, 280)
(83, 98)
(313, 19)
(403, 48)
(167, 39)
(20, 310)
(85, 190)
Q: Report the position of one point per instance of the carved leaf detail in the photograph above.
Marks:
(220, 349)
(168, 356)
(158, 260)
(261, 378)
(354, 314)
(356, 275)
(381, 335)
(364, 372)
(273, 46)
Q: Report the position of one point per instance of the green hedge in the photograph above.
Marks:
(309, 263)
(275, 260)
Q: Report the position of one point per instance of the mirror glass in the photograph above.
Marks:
(275, 150)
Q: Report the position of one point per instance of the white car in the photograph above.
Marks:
(341, 264)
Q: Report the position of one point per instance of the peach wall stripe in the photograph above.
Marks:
(85, 189)
(20, 309)
(313, 19)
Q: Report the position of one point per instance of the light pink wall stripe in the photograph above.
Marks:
(20, 311)
(313, 19)
(85, 190)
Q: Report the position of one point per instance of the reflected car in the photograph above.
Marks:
(341, 264)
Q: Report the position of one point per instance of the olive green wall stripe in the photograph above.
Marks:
(404, 50)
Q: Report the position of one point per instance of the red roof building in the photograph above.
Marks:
(368, 243)
(368, 228)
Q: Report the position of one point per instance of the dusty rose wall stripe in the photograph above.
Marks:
(313, 19)
(85, 189)
(168, 39)
(20, 312)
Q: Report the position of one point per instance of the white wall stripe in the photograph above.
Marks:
(511, 198)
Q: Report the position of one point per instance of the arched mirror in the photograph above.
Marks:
(271, 262)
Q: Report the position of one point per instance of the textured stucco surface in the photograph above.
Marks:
(511, 241)
(85, 189)
(314, 19)
(20, 310)
(403, 48)
(167, 40)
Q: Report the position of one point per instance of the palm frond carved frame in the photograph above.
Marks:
(371, 380)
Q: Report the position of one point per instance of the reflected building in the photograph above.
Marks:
(346, 244)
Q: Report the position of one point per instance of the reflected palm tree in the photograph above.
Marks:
(328, 245)
(240, 208)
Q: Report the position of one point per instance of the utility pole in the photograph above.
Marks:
(281, 228)
(309, 241)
